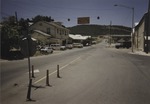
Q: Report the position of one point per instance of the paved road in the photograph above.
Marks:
(92, 75)
(11, 70)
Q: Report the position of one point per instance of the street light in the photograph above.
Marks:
(132, 8)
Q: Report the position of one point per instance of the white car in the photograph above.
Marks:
(46, 50)
(62, 47)
(77, 45)
(55, 46)
(69, 46)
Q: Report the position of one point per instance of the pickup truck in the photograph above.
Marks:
(123, 45)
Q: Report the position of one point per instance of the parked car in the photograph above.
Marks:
(77, 45)
(38, 47)
(118, 45)
(55, 46)
(62, 47)
(123, 45)
(94, 42)
(69, 46)
(46, 50)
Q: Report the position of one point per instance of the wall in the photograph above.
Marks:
(139, 36)
(57, 32)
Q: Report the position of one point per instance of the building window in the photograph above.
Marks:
(60, 32)
(66, 32)
(57, 31)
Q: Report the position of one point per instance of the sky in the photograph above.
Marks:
(61, 10)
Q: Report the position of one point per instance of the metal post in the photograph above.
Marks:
(132, 34)
(110, 32)
(132, 30)
(16, 18)
(33, 71)
(47, 78)
(29, 91)
(148, 28)
(58, 76)
(29, 57)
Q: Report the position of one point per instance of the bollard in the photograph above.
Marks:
(29, 91)
(58, 76)
(47, 78)
(33, 71)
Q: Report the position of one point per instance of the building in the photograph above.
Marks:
(50, 32)
(41, 37)
(142, 34)
(79, 39)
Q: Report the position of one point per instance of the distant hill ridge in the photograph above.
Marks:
(96, 30)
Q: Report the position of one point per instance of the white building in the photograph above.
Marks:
(52, 31)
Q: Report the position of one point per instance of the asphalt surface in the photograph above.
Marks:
(91, 75)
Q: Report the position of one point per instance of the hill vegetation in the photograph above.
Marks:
(96, 30)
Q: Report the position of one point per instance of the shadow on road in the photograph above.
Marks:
(13, 55)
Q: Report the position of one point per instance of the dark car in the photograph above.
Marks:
(123, 45)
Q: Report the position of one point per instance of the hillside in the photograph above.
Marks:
(96, 30)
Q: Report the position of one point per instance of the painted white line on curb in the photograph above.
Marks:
(56, 70)
(36, 71)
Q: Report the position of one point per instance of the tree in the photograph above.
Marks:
(12, 30)
(9, 35)
(23, 24)
(42, 18)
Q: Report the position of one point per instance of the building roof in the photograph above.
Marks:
(125, 35)
(121, 40)
(79, 37)
(54, 24)
(141, 21)
(42, 33)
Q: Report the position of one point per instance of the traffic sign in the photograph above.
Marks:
(83, 20)
(28, 46)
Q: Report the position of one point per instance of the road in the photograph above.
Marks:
(91, 75)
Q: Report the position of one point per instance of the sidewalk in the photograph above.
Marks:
(35, 56)
(135, 52)
(140, 53)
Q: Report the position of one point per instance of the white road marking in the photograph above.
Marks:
(36, 71)
(56, 71)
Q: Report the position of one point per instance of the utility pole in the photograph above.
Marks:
(148, 28)
(110, 32)
(132, 34)
(133, 37)
(16, 17)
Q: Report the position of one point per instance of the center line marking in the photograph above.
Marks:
(56, 70)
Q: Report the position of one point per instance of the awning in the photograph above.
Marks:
(79, 37)
(42, 33)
